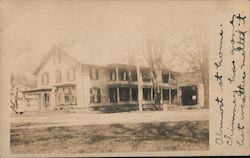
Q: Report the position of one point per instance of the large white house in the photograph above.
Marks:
(64, 82)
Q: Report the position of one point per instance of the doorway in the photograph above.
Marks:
(189, 95)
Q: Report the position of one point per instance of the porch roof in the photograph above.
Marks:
(65, 85)
(37, 90)
(122, 85)
(120, 65)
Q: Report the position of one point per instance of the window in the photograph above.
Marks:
(123, 74)
(94, 74)
(71, 74)
(113, 94)
(112, 74)
(134, 94)
(133, 75)
(69, 95)
(124, 93)
(165, 94)
(45, 78)
(66, 96)
(56, 58)
(146, 75)
(58, 76)
(147, 94)
(95, 95)
(165, 77)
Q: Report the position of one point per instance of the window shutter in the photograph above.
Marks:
(90, 73)
(47, 76)
(91, 95)
(74, 74)
(111, 75)
(68, 75)
(58, 76)
(97, 75)
(42, 76)
(99, 95)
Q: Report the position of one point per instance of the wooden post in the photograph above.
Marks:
(40, 100)
(116, 72)
(129, 75)
(24, 100)
(130, 93)
(162, 95)
(170, 96)
(152, 96)
(179, 96)
(118, 95)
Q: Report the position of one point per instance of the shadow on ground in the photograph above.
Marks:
(171, 136)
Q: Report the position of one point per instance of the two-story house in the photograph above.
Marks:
(64, 82)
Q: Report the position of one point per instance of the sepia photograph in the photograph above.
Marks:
(111, 76)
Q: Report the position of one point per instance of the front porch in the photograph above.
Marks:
(35, 99)
(122, 95)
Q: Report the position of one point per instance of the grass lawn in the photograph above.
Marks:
(171, 136)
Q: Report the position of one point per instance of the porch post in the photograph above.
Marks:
(170, 102)
(162, 95)
(118, 95)
(152, 90)
(41, 100)
(53, 98)
(116, 73)
(179, 96)
(130, 93)
(129, 75)
(24, 100)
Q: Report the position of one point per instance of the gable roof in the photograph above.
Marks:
(57, 50)
(48, 55)
(39, 67)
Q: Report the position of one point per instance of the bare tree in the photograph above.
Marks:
(152, 49)
(132, 61)
(195, 56)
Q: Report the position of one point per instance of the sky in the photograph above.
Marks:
(99, 32)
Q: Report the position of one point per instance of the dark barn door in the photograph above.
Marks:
(189, 95)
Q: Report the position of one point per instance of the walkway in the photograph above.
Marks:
(70, 119)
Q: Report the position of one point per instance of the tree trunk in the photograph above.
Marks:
(139, 82)
(205, 77)
(157, 99)
(206, 89)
